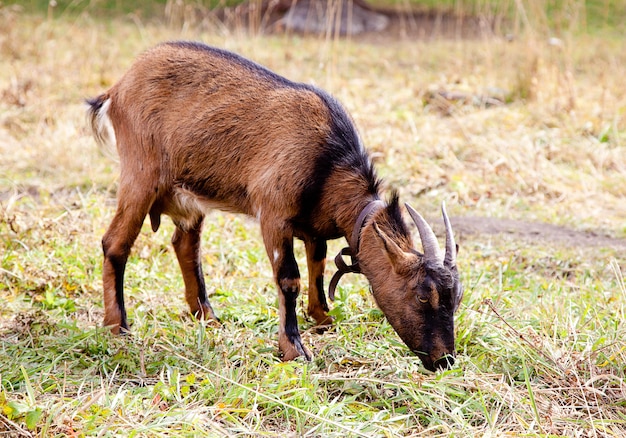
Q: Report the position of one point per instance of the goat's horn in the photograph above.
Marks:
(450, 258)
(427, 236)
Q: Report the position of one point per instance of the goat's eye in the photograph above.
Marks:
(423, 298)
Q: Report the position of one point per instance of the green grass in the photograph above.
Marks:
(540, 334)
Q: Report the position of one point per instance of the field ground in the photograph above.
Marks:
(525, 140)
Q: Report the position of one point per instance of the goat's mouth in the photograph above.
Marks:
(443, 363)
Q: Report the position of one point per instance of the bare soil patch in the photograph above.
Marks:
(426, 25)
(538, 232)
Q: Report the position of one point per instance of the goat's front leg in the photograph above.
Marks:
(316, 262)
(279, 246)
(187, 246)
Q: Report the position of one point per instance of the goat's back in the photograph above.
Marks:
(211, 124)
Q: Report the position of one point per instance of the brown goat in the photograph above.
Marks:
(198, 128)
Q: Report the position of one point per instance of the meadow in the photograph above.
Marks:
(539, 137)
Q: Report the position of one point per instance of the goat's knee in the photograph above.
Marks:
(289, 340)
(287, 276)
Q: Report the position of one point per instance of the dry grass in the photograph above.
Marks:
(540, 333)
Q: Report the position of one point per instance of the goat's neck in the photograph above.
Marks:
(376, 265)
(346, 213)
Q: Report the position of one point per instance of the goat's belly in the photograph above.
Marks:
(186, 207)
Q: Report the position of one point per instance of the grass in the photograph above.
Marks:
(540, 334)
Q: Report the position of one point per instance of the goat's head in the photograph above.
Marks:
(418, 293)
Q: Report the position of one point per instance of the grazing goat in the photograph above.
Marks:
(198, 128)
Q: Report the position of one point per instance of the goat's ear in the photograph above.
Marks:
(398, 258)
(458, 296)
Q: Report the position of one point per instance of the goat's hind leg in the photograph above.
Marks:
(117, 242)
(186, 244)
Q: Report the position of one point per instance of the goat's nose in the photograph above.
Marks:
(445, 362)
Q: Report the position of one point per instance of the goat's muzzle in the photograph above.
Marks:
(443, 363)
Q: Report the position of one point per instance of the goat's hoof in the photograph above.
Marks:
(205, 312)
(214, 323)
(116, 328)
(322, 328)
(293, 351)
(322, 320)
